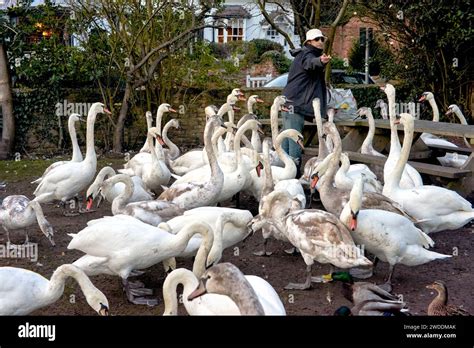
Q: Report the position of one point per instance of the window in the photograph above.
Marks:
(233, 32)
(272, 33)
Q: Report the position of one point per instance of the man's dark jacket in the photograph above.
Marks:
(306, 81)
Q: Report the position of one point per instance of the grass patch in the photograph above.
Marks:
(16, 171)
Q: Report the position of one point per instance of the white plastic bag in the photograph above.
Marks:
(344, 102)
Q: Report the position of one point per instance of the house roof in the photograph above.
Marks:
(233, 11)
(275, 14)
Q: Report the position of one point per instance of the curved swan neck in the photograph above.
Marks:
(267, 169)
(124, 197)
(250, 104)
(246, 299)
(328, 178)
(322, 148)
(181, 239)
(394, 141)
(173, 149)
(170, 298)
(105, 172)
(159, 117)
(216, 137)
(76, 150)
(434, 106)
(394, 178)
(44, 224)
(211, 155)
(282, 153)
(56, 284)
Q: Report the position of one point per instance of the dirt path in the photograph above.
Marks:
(278, 269)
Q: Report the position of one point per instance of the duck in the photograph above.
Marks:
(320, 236)
(18, 212)
(136, 246)
(152, 212)
(139, 194)
(66, 181)
(439, 306)
(252, 295)
(334, 199)
(195, 194)
(76, 150)
(23, 291)
(390, 237)
(410, 178)
(372, 308)
(437, 208)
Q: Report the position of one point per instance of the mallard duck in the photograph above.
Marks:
(368, 298)
(439, 306)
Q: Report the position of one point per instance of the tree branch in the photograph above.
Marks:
(261, 4)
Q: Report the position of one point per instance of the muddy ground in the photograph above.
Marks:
(278, 269)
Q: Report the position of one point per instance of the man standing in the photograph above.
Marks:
(305, 82)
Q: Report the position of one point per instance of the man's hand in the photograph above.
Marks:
(325, 58)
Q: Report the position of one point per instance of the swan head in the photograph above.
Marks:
(363, 112)
(49, 232)
(279, 102)
(259, 168)
(223, 278)
(406, 120)
(75, 117)
(355, 201)
(165, 107)
(255, 99)
(211, 110)
(316, 104)
(453, 108)
(99, 108)
(389, 90)
(294, 135)
(380, 103)
(237, 94)
(155, 133)
(426, 96)
(174, 123)
(149, 116)
(97, 300)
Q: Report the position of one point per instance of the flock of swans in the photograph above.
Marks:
(166, 205)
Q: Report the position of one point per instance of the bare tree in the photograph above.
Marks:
(8, 132)
(140, 36)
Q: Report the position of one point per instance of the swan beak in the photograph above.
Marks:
(314, 181)
(90, 200)
(300, 143)
(172, 110)
(200, 290)
(104, 310)
(449, 112)
(353, 223)
(422, 98)
(160, 140)
(259, 168)
(235, 108)
(284, 108)
(397, 122)
(107, 111)
(259, 100)
(382, 88)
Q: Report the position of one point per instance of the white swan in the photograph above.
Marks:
(19, 212)
(380, 103)
(197, 194)
(218, 304)
(172, 152)
(149, 124)
(229, 227)
(345, 179)
(232, 98)
(66, 181)
(76, 150)
(119, 244)
(110, 193)
(150, 212)
(319, 235)
(155, 173)
(255, 140)
(390, 237)
(23, 291)
(410, 178)
(367, 148)
(442, 209)
(195, 158)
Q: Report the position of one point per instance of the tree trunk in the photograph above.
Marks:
(118, 133)
(6, 104)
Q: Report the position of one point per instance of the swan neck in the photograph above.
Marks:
(395, 177)
(274, 123)
(434, 106)
(56, 284)
(76, 150)
(90, 149)
(250, 106)
(170, 297)
(123, 198)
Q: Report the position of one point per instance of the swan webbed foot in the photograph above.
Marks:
(292, 251)
(135, 293)
(150, 302)
(136, 284)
